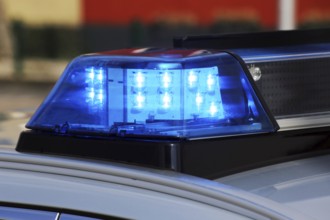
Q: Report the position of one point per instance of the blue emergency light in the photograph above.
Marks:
(192, 111)
(189, 94)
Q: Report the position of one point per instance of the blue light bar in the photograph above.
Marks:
(173, 93)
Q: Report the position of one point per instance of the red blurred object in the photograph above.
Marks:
(201, 12)
(204, 12)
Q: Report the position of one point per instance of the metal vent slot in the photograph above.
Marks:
(295, 87)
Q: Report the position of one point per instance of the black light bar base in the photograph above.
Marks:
(209, 158)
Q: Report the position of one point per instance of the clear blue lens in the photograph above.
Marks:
(191, 97)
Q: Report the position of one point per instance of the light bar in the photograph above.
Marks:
(142, 93)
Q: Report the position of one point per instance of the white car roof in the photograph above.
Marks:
(126, 191)
(300, 184)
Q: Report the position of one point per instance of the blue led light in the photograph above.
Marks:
(166, 80)
(139, 100)
(166, 99)
(199, 101)
(192, 79)
(95, 87)
(139, 80)
(213, 109)
(186, 97)
(210, 82)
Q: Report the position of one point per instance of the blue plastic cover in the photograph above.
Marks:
(169, 93)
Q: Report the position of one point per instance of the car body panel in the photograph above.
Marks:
(301, 184)
(126, 191)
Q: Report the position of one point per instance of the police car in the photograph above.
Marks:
(173, 134)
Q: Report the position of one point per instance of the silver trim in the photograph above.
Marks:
(281, 57)
(303, 122)
(58, 215)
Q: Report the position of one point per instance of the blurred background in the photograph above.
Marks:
(38, 38)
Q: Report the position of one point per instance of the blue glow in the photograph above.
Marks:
(91, 94)
(166, 99)
(213, 109)
(184, 98)
(91, 74)
(139, 100)
(94, 88)
(192, 79)
(199, 101)
(200, 92)
(139, 80)
(210, 82)
(166, 80)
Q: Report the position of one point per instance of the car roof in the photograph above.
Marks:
(301, 184)
(112, 188)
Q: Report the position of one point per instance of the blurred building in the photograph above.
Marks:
(62, 29)
(42, 36)
(185, 11)
(40, 12)
(6, 46)
(123, 12)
